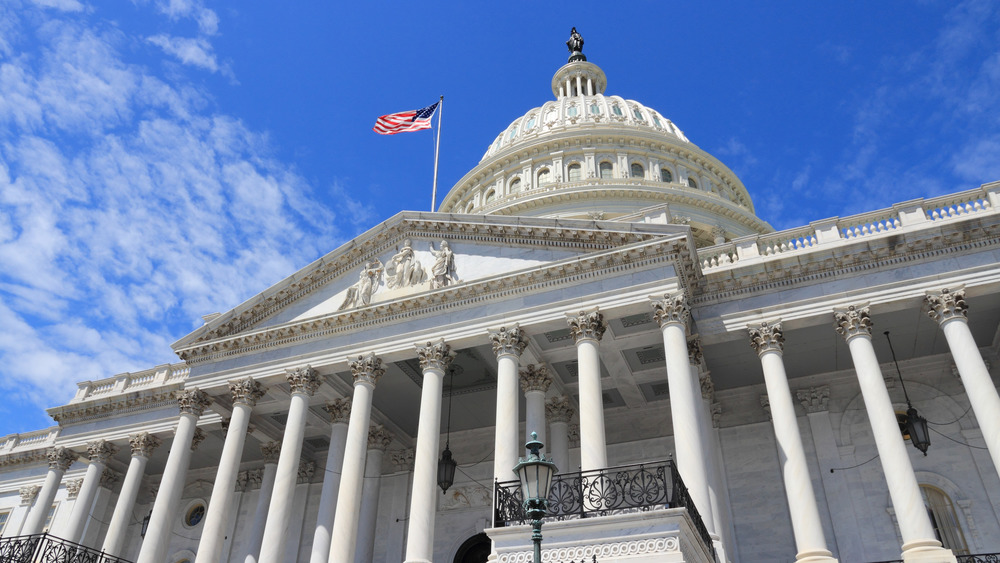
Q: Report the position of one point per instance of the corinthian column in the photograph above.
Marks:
(508, 345)
(919, 543)
(245, 393)
(768, 341)
(948, 308)
(303, 383)
(340, 412)
(434, 359)
(271, 451)
(99, 452)
(192, 403)
(535, 381)
(367, 370)
(378, 440)
(559, 412)
(672, 314)
(59, 461)
(142, 445)
(588, 329)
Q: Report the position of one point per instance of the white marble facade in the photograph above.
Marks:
(640, 300)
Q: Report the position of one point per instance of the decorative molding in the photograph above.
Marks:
(271, 451)
(307, 469)
(246, 391)
(28, 494)
(436, 356)
(573, 433)
(61, 458)
(193, 401)
(198, 438)
(339, 409)
(367, 369)
(673, 308)
(767, 337)
(378, 437)
(946, 305)
(559, 409)
(73, 487)
(587, 325)
(117, 406)
(535, 378)
(814, 399)
(853, 321)
(614, 550)
(303, 380)
(695, 354)
(109, 477)
(142, 444)
(467, 496)
(402, 459)
(508, 342)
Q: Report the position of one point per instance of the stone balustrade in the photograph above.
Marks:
(129, 382)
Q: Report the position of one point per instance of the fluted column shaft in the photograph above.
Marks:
(304, 382)
(685, 398)
(366, 370)
(271, 451)
(378, 440)
(508, 345)
(142, 445)
(154, 547)
(535, 381)
(559, 412)
(587, 329)
(245, 393)
(59, 461)
(340, 411)
(950, 311)
(99, 452)
(854, 325)
(810, 542)
(434, 358)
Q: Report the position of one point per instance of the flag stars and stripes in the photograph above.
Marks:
(413, 120)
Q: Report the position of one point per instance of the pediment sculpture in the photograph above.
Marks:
(403, 270)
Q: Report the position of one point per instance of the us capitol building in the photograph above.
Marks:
(710, 389)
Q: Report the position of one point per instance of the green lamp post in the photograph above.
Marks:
(535, 473)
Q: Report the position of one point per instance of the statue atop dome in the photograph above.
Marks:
(575, 45)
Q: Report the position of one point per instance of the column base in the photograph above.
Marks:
(927, 551)
(418, 561)
(815, 556)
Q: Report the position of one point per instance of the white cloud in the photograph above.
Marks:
(190, 51)
(207, 20)
(64, 5)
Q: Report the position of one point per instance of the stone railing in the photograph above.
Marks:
(910, 215)
(45, 548)
(129, 382)
(29, 440)
(976, 558)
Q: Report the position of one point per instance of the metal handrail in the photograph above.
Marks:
(602, 492)
(974, 558)
(46, 548)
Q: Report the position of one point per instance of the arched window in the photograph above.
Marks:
(616, 110)
(692, 183)
(571, 111)
(544, 177)
(575, 172)
(515, 186)
(530, 123)
(944, 520)
(490, 196)
(607, 170)
(665, 175)
(637, 171)
(637, 114)
(470, 207)
(595, 109)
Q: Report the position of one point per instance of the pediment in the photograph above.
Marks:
(422, 257)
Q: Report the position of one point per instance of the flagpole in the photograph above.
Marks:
(437, 146)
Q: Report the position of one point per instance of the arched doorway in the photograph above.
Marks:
(475, 550)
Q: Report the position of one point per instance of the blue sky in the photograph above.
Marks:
(165, 159)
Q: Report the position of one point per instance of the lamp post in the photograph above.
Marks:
(535, 473)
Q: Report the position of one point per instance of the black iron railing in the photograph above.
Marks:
(45, 548)
(975, 558)
(615, 490)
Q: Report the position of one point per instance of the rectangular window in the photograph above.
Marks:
(4, 517)
(49, 517)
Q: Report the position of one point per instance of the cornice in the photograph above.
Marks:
(663, 249)
(25, 457)
(114, 406)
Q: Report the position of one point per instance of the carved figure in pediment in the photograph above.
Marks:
(404, 269)
(360, 294)
(443, 270)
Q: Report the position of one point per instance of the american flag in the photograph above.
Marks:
(413, 120)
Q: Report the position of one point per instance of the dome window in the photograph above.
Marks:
(692, 183)
(665, 175)
(490, 196)
(606, 169)
(656, 120)
(571, 111)
(544, 177)
(470, 207)
(595, 109)
(515, 185)
(637, 170)
(513, 133)
(575, 172)
(616, 110)
(637, 114)
(531, 123)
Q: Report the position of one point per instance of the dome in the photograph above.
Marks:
(587, 155)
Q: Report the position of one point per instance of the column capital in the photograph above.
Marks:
(99, 451)
(535, 378)
(435, 355)
(695, 354)
(61, 458)
(671, 309)
(193, 401)
(108, 478)
(707, 386)
(73, 487)
(946, 305)
(853, 321)
(367, 369)
(587, 325)
(304, 380)
(766, 337)
(559, 409)
(814, 399)
(198, 438)
(402, 459)
(378, 437)
(271, 451)
(508, 341)
(143, 444)
(339, 409)
(306, 471)
(28, 494)
(246, 391)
